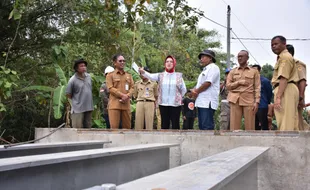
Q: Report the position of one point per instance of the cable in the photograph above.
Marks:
(214, 22)
(244, 46)
(51, 132)
(248, 31)
(267, 39)
(201, 14)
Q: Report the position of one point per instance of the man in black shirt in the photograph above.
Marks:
(188, 112)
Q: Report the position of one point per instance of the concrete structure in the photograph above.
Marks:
(83, 169)
(284, 166)
(235, 169)
(47, 148)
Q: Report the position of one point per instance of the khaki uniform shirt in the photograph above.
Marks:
(301, 70)
(119, 82)
(145, 91)
(247, 95)
(285, 67)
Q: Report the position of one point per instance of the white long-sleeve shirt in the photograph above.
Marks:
(171, 87)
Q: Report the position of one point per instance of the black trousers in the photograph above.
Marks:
(261, 119)
(170, 113)
(188, 123)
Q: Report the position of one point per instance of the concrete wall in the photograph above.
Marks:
(80, 174)
(285, 166)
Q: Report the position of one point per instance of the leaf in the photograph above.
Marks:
(99, 123)
(39, 88)
(59, 99)
(7, 85)
(7, 71)
(2, 107)
(14, 72)
(61, 75)
(11, 14)
(17, 15)
(8, 94)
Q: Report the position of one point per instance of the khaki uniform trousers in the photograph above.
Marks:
(81, 120)
(225, 115)
(116, 115)
(145, 113)
(287, 117)
(236, 113)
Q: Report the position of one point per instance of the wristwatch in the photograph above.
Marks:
(300, 98)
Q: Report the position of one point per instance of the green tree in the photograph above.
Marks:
(267, 71)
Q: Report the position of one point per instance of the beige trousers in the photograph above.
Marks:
(287, 117)
(236, 113)
(144, 114)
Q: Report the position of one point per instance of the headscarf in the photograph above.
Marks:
(174, 64)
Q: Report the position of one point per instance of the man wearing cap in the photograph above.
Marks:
(225, 107)
(207, 90)
(261, 118)
(79, 90)
(104, 94)
(284, 82)
(243, 84)
(146, 93)
(302, 83)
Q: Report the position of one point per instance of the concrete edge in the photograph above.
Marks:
(54, 158)
(200, 132)
(52, 145)
(239, 171)
(226, 180)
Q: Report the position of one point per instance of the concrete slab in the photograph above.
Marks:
(46, 148)
(83, 169)
(213, 172)
(38, 160)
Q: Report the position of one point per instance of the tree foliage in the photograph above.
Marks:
(39, 39)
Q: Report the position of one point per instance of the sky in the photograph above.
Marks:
(260, 19)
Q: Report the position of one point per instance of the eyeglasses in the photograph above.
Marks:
(122, 61)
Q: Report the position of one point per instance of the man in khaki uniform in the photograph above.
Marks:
(284, 80)
(120, 85)
(145, 91)
(302, 83)
(243, 84)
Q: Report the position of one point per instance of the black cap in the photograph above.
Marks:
(209, 53)
(79, 61)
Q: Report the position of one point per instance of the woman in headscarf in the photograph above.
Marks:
(171, 89)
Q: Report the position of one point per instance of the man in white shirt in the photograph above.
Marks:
(207, 90)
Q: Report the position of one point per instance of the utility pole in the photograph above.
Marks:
(228, 36)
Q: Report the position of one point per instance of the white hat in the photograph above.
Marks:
(109, 69)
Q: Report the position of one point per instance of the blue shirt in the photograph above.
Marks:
(265, 92)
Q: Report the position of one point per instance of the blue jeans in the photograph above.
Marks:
(206, 118)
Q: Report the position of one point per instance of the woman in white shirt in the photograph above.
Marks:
(171, 89)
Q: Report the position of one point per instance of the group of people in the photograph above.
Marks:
(244, 93)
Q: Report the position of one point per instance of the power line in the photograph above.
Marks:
(201, 14)
(269, 39)
(244, 46)
(248, 31)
